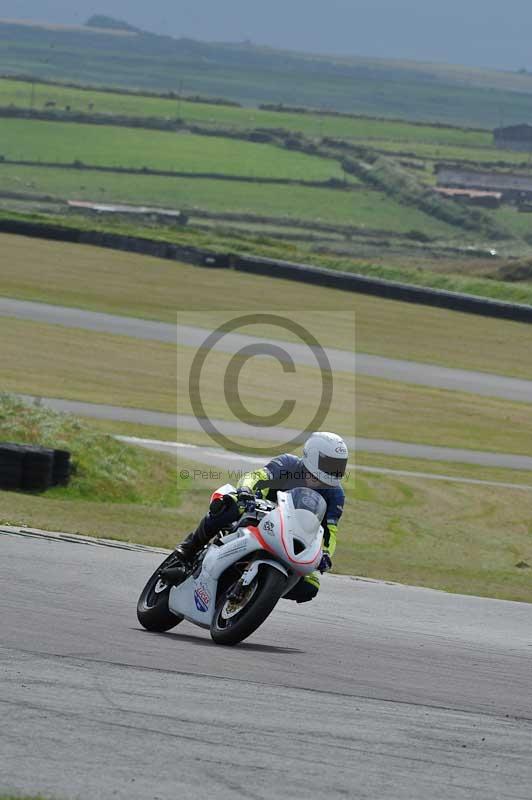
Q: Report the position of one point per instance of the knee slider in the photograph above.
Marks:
(308, 592)
(304, 591)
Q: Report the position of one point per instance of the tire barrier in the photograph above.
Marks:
(346, 281)
(11, 460)
(31, 468)
(61, 468)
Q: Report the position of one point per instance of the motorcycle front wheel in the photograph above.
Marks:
(152, 607)
(234, 621)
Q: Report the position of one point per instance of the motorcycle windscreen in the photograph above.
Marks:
(308, 500)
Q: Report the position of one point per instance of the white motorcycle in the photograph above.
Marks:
(236, 581)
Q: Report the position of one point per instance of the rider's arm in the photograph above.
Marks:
(251, 481)
(272, 477)
(335, 508)
(329, 538)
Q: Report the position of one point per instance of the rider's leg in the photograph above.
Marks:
(189, 548)
(196, 541)
(306, 589)
(220, 516)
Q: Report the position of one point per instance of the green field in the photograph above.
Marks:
(109, 146)
(25, 95)
(361, 208)
(254, 75)
(394, 208)
(442, 152)
(520, 224)
(460, 539)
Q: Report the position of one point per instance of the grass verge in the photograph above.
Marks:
(458, 538)
(360, 458)
(125, 283)
(19, 797)
(102, 466)
(51, 361)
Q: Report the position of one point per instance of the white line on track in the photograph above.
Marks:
(205, 455)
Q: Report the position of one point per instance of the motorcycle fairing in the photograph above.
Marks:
(195, 598)
(278, 533)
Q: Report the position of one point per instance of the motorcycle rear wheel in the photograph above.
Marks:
(230, 630)
(152, 607)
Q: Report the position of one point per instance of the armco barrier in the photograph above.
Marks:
(115, 241)
(319, 276)
(392, 290)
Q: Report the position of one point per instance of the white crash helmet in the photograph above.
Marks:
(325, 456)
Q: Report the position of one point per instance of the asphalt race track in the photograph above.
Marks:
(371, 691)
(481, 383)
(181, 422)
(190, 457)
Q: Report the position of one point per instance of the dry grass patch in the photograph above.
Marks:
(124, 283)
(49, 360)
(459, 538)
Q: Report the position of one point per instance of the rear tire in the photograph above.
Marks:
(271, 585)
(152, 607)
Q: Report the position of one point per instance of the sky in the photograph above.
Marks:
(471, 32)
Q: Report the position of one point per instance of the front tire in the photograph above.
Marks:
(264, 593)
(152, 607)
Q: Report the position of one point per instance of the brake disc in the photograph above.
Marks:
(232, 607)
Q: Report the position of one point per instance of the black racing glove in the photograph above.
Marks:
(246, 500)
(325, 564)
(221, 505)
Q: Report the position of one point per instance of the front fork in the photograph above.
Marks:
(249, 575)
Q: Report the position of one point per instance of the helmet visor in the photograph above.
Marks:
(335, 467)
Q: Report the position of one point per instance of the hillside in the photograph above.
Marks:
(252, 75)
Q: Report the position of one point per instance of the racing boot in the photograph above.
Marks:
(195, 541)
(222, 512)
(187, 551)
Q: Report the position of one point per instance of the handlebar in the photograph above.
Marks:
(262, 507)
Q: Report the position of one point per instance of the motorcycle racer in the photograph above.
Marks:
(321, 468)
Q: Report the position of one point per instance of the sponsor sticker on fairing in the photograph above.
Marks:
(202, 598)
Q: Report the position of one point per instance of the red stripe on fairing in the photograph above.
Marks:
(258, 536)
(294, 560)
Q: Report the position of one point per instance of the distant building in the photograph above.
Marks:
(155, 214)
(514, 137)
(473, 196)
(514, 186)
